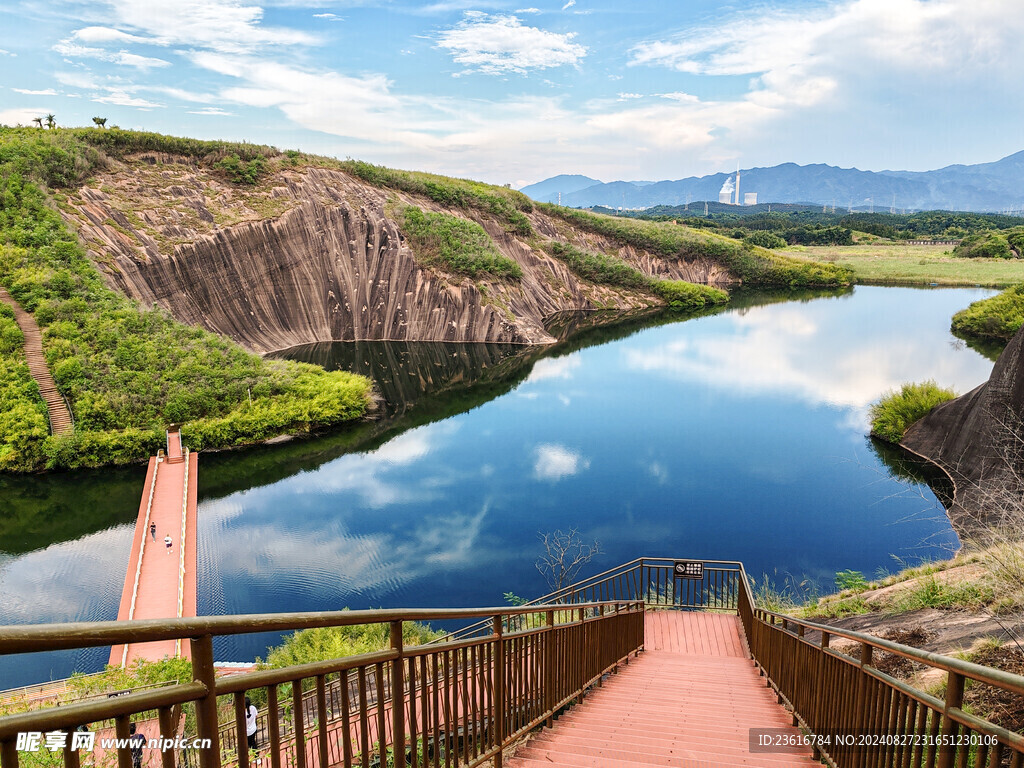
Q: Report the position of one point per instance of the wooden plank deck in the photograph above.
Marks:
(688, 701)
(166, 575)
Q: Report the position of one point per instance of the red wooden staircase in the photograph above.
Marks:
(688, 701)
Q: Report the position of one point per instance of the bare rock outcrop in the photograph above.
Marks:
(978, 440)
(315, 255)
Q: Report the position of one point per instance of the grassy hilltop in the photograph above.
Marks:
(127, 371)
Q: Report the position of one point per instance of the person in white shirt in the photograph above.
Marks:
(250, 723)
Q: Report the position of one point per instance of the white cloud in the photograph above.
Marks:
(553, 462)
(328, 16)
(47, 92)
(123, 99)
(107, 35)
(528, 10)
(804, 59)
(4, 52)
(210, 111)
(628, 96)
(554, 368)
(123, 58)
(569, 4)
(20, 115)
(497, 45)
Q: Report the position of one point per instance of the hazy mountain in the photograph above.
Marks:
(983, 187)
(548, 189)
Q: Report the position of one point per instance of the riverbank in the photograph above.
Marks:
(895, 263)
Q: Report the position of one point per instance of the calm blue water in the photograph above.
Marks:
(734, 436)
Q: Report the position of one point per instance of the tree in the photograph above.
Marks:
(101, 122)
(565, 554)
(38, 121)
(51, 120)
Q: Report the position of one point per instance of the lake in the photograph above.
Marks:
(738, 435)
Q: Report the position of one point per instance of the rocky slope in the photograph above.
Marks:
(312, 254)
(978, 440)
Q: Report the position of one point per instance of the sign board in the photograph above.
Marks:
(689, 569)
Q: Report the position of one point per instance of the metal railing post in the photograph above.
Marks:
(498, 691)
(397, 698)
(206, 707)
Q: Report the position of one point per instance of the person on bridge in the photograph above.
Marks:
(136, 740)
(250, 723)
(168, 543)
(152, 530)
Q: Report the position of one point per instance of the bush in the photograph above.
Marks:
(599, 267)
(325, 643)
(996, 318)
(765, 239)
(455, 244)
(896, 411)
(986, 245)
(688, 296)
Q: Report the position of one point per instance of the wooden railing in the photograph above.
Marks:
(451, 704)
(460, 701)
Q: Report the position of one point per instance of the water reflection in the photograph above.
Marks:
(736, 435)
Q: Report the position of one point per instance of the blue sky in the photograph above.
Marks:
(512, 92)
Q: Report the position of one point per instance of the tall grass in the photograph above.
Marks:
(455, 244)
(996, 318)
(896, 411)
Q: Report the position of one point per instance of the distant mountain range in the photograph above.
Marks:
(994, 187)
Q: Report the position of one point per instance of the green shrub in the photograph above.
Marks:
(765, 239)
(896, 411)
(326, 643)
(985, 245)
(754, 265)
(851, 580)
(241, 172)
(599, 267)
(681, 295)
(996, 318)
(455, 244)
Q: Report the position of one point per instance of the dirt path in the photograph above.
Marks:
(60, 417)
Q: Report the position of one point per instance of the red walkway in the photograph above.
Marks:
(688, 701)
(161, 582)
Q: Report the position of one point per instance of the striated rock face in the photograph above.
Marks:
(314, 256)
(978, 440)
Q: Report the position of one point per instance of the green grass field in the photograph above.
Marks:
(887, 262)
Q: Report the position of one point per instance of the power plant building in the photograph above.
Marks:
(750, 198)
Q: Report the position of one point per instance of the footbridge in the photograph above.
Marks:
(656, 662)
(160, 582)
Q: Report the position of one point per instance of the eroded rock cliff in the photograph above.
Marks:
(978, 440)
(313, 255)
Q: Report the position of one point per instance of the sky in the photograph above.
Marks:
(506, 92)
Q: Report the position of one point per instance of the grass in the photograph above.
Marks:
(126, 371)
(754, 265)
(455, 245)
(996, 318)
(896, 411)
(508, 206)
(886, 262)
(611, 270)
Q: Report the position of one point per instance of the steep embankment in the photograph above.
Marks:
(189, 244)
(314, 254)
(977, 440)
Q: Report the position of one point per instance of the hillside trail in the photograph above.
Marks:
(60, 416)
